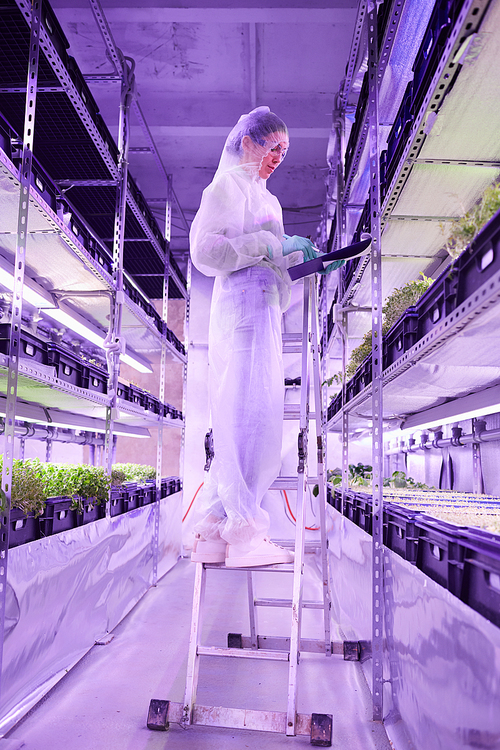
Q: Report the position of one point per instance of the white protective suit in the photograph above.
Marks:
(236, 236)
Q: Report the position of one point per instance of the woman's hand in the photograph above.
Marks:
(295, 243)
(332, 267)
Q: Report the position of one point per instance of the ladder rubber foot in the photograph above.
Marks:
(234, 640)
(321, 730)
(351, 650)
(157, 715)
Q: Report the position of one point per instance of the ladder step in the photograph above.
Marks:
(309, 547)
(282, 643)
(290, 483)
(292, 343)
(277, 567)
(241, 653)
(286, 603)
(239, 718)
(292, 411)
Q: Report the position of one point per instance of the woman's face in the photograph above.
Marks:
(268, 156)
(274, 158)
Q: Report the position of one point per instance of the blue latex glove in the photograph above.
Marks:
(332, 267)
(295, 243)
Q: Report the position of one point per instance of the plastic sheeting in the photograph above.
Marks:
(68, 590)
(441, 658)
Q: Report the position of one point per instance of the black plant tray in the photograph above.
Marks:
(58, 516)
(23, 528)
(31, 347)
(68, 365)
(91, 512)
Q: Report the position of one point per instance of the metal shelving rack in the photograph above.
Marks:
(77, 281)
(425, 168)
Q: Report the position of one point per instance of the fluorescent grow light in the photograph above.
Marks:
(38, 297)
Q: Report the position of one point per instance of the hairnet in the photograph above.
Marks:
(266, 131)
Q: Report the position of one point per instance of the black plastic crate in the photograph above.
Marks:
(399, 134)
(55, 32)
(58, 516)
(169, 486)
(148, 494)
(101, 255)
(94, 378)
(438, 301)
(481, 578)
(400, 534)
(30, 346)
(351, 508)
(400, 337)
(430, 52)
(335, 405)
(336, 499)
(132, 498)
(39, 180)
(6, 133)
(354, 135)
(116, 497)
(479, 262)
(91, 512)
(440, 552)
(123, 391)
(151, 403)
(82, 87)
(23, 528)
(364, 512)
(136, 395)
(69, 366)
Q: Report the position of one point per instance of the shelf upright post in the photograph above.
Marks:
(341, 238)
(163, 366)
(377, 412)
(114, 342)
(17, 304)
(185, 367)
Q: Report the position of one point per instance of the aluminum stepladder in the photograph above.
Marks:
(317, 726)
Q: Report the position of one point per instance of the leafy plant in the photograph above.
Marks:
(464, 230)
(360, 474)
(399, 480)
(333, 476)
(396, 304)
(132, 473)
(27, 486)
(337, 378)
(82, 482)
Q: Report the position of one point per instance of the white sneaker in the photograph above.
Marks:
(206, 551)
(267, 553)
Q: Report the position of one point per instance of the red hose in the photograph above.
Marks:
(308, 528)
(192, 501)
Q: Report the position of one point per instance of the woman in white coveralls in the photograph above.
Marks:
(237, 236)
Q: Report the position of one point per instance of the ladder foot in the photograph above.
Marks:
(234, 640)
(351, 650)
(157, 715)
(321, 730)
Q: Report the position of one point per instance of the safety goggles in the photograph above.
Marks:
(280, 151)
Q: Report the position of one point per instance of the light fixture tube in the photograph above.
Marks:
(43, 300)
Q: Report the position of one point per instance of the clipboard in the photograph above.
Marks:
(318, 264)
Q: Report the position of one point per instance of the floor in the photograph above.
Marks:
(102, 703)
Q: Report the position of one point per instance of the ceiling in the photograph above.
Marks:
(198, 68)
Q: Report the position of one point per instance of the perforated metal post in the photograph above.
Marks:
(17, 304)
(185, 369)
(377, 301)
(114, 340)
(341, 237)
(161, 395)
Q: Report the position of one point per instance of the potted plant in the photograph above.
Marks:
(27, 500)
